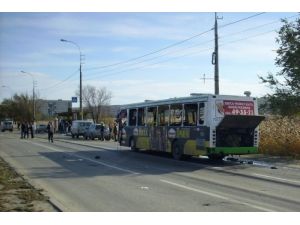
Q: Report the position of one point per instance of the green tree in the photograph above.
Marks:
(285, 99)
(18, 108)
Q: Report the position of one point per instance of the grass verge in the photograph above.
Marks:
(17, 195)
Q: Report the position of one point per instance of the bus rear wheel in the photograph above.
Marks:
(177, 151)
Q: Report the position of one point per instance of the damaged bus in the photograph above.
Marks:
(201, 124)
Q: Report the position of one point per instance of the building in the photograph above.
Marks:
(54, 107)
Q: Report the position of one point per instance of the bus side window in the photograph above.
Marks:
(141, 117)
(151, 116)
(190, 114)
(201, 113)
(132, 117)
(176, 115)
(163, 115)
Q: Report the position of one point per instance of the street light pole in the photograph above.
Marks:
(80, 83)
(33, 92)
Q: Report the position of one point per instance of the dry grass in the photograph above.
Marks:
(16, 194)
(280, 136)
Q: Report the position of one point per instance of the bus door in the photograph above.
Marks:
(158, 138)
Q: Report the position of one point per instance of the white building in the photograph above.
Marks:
(53, 107)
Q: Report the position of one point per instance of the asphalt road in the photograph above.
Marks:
(82, 178)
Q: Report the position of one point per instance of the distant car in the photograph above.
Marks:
(94, 131)
(7, 125)
(41, 128)
(79, 127)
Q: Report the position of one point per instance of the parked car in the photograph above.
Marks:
(41, 128)
(7, 125)
(94, 131)
(79, 127)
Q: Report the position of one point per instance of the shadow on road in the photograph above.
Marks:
(90, 163)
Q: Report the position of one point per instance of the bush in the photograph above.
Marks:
(280, 136)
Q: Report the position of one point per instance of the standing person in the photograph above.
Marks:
(102, 132)
(30, 127)
(50, 129)
(22, 130)
(26, 130)
(66, 127)
(115, 131)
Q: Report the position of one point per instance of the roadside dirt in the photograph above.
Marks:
(17, 195)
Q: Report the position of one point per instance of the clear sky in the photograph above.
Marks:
(31, 42)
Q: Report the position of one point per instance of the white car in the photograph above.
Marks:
(79, 127)
(7, 125)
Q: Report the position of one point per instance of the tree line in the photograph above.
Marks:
(96, 103)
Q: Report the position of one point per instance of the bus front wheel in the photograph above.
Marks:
(177, 151)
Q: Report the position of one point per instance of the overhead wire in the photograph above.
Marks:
(232, 34)
(60, 82)
(188, 54)
(175, 44)
(151, 53)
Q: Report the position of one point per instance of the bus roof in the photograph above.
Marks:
(195, 97)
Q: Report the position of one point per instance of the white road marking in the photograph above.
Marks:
(216, 195)
(276, 178)
(88, 159)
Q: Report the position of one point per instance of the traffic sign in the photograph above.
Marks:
(74, 99)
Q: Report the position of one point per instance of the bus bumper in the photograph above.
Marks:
(233, 150)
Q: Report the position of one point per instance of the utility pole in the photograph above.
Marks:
(80, 72)
(215, 56)
(80, 88)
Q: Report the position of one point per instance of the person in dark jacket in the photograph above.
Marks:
(50, 129)
(26, 130)
(115, 132)
(22, 130)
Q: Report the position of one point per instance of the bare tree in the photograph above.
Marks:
(96, 101)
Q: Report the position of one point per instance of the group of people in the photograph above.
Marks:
(30, 127)
(26, 128)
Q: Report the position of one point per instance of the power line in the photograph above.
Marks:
(172, 45)
(256, 27)
(153, 58)
(203, 50)
(60, 82)
(237, 21)
(192, 46)
(134, 63)
(151, 53)
(177, 43)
